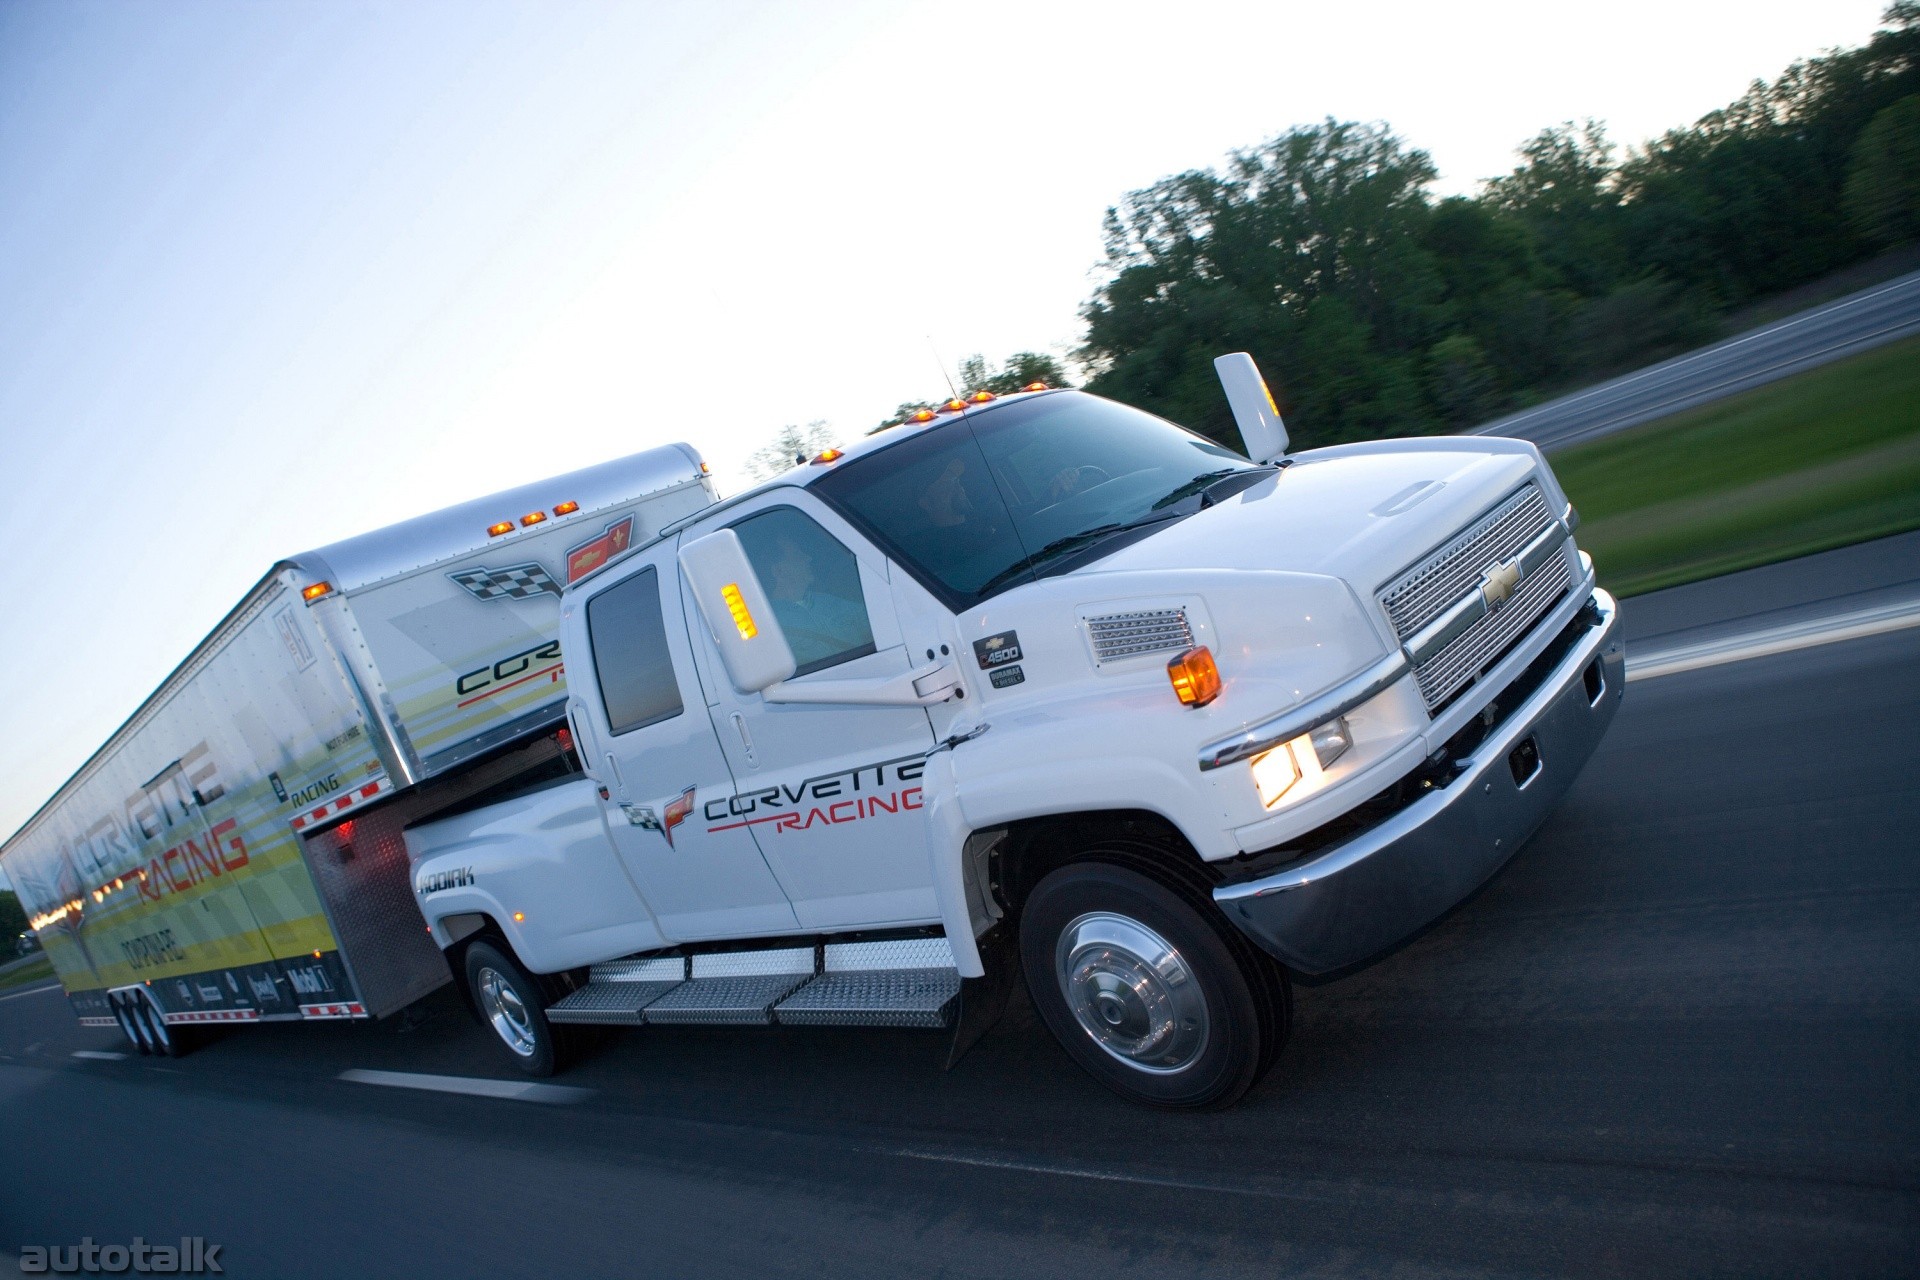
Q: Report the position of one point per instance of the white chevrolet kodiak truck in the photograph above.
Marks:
(1039, 681)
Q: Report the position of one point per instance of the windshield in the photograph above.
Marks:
(994, 499)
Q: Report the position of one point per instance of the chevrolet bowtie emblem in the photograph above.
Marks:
(1497, 583)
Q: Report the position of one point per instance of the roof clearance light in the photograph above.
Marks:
(495, 530)
(953, 406)
(924, 415)
(705, 469)
(981, 397)
(738, 608)
(314, 592)
(1196, 680)
(566, 508)
(532, 518)
(1035, 386)
(828, 455)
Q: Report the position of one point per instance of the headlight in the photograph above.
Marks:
(1300, 761)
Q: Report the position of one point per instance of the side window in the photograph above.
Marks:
(630, 653)
(814, 584)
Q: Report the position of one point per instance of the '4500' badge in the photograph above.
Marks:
(997, 650)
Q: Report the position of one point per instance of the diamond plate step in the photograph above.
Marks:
(616, 992)
(875, 998)
(734, 987)
(609, 1003)
(909, 982)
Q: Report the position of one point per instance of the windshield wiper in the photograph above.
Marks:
(1201, 483)
(1072, 542)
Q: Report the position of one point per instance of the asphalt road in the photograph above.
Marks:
(1884, 313)
(1676, 1036)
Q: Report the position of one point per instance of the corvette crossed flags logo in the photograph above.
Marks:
(520, 582)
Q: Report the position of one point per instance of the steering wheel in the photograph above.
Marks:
(1071, 480)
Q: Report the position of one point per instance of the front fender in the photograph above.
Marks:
(1089, 763)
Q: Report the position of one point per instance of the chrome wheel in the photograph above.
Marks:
(1132, 991)
(129, 1026)
(156, 1023)
(507, 1012)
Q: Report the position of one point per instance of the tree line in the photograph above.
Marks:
(1377, 309)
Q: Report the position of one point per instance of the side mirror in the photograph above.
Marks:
(1253, 409)
(737, 612)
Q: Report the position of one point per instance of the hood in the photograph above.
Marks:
(1361, 513)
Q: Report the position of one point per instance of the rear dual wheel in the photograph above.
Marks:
(1148, 989)
(513, 1003)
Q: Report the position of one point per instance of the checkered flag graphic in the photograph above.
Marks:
(521, 582)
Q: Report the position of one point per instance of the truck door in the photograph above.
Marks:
(659, 770)
(831, 792)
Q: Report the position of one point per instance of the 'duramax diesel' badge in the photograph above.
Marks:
(997, 650)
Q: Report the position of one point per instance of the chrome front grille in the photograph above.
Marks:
(1456, 573)
(1127, 635)
(1421, 594)
(1460, 663)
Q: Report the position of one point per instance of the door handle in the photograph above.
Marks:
(613, 776)
(746, 738)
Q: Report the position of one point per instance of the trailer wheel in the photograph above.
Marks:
(513, 1003)
(1144, 990)
(130, 1026)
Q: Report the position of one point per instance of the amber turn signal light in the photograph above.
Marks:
(1196, 680)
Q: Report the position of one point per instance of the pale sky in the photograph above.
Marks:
(274, 274)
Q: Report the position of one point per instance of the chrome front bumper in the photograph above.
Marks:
(1361, 897)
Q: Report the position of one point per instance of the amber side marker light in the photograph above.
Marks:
(314, 592)
(1196, 680)
(495, 530)
(566, 508)
(737, 606)
(533, 518)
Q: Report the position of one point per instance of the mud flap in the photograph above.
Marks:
(984, 999)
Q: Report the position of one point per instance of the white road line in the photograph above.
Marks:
(30, 991)
(1782, 639)
(516, 1090)
(1103, 1175)
(99, 1055)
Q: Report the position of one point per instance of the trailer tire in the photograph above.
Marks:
(130, 1026)
(513, 1005)
(1145, 990)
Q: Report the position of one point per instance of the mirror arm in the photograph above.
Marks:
(921, 687)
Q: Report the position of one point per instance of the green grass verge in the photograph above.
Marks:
(1815, 461)
(39, 969)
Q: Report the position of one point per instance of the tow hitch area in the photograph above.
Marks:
(1524, 760)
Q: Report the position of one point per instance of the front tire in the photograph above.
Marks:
(513, 1004)
(1145, 990)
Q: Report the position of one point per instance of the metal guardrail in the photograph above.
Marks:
(1859, 322)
